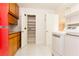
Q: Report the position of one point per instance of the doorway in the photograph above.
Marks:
(31, 32)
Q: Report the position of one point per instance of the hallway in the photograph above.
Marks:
(33, 50)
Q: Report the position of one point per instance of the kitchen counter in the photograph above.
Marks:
(10, 33)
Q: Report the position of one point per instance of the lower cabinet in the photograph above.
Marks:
(14, 42)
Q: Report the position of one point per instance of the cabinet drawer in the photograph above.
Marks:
(11, 19)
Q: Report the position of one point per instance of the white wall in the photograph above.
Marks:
(23, 25)
(62, 22)
(51, 26)
(40, 23)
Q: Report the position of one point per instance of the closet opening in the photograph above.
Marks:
(31, 32)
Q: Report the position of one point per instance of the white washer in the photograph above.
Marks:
(72, 41)
(58, 44)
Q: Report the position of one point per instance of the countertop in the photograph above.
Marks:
(13, 32)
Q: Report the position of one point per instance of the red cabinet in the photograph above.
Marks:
(3, 14)
(4, 45)
(5, 17)
(4, 30)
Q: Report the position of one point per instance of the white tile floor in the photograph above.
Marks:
(33, 50)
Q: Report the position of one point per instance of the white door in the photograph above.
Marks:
(40, 29)
(51, 26)
(24, 30)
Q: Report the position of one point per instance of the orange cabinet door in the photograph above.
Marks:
(11, 47)
(15, 44)
(12, 9)
(13, 13)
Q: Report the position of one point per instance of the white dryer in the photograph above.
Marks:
(58, 44)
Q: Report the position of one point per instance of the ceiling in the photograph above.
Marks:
(52, 6)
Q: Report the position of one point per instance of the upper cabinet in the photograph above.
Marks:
(72, 15)
(14, 10)
(13, 14)
(3, 14)
(72, 11)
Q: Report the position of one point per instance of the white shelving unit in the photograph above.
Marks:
(72, 15)
(72, 11)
